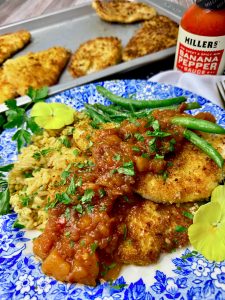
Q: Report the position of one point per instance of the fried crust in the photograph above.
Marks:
(35, 69)
(157, 34)
(11, 43)
(95, 55)
(151, 230)
(7, 90)
(123, 11)
(192, 177)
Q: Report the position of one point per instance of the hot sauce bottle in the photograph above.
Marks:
(201, 38)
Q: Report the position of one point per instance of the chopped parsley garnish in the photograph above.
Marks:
(87, 197)
(172, 145)
(67, 234)
(78, 208)
(93, 247)
(127, 169)
(136, 149)
(158, 156)
(63, 198)
(179, 228)
(188, 255)
(67, 214)
(117, 157)
(25, 200)
(72, 187)
(28, 175)
(76, 152)
(152, 145)
(145, 155)
(64, 175)
(16, 224)
(188, 215)
(106, 268)
(102, 193)
(72, 244)
(65, 141)
(139, 137)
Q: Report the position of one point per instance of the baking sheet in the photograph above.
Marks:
(69, 28)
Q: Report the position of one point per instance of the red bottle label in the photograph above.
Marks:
(200, 54)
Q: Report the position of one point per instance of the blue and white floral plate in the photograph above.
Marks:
(178, 275)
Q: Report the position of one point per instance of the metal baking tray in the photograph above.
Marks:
(71, 27)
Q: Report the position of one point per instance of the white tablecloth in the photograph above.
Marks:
(203, 85)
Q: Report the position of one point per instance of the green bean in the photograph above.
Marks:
(112, 110)
(140, 104)
(206, 147)
(104, 116)
(94, 116)
(198, 124)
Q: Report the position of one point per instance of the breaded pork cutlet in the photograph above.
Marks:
(95, 55)
(154, 35)
(11, 43)
(191, 177)
(7, 90)
(123, 11)
(150, 230)
(35, 70)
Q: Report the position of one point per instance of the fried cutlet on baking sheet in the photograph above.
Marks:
(150, 229)
(95, 55)
(35, 70)
(11, 43)
(157, 34)
(7, 90)
(123, 11)
(192, 176)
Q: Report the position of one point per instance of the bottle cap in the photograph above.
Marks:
(211, 4)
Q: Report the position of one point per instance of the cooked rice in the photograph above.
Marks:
(31, 179)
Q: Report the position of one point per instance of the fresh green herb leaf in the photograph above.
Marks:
(67, 214)
(172, 145)
(102, 193)
(16, 224)
(188, 215)
(94, 246)
(76, 152)
(4, 202)
(11, 104)
(145, 155)
(179, 228)
(37, 95)
(136, 149)
(25, 200)
(67, 233)
(158, 156)
(127, 169)
(78, 208)
(87, 197)
(65, 141)
(72, 187)
(117, 157)
(22, 137)
(6, 168)
(63, 198)
(139, 137)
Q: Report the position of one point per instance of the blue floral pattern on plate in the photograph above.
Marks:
(180, 275)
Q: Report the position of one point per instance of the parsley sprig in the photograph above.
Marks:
(4, 190)
(18, 118)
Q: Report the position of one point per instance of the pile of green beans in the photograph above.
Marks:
(126, 108)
